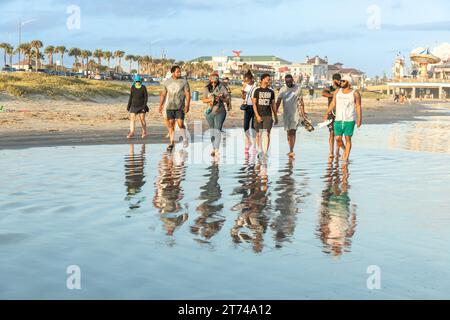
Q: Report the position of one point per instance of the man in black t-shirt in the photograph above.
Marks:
(264, 106)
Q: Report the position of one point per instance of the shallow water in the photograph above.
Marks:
(143, 224)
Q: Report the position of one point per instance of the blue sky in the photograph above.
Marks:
(346, 31)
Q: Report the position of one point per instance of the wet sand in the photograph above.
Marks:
(42, 122)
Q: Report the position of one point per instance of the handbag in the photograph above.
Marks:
(244, 107)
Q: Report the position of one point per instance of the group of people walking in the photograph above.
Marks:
(260, 108)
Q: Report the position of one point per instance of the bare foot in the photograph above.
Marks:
(130, 135)
(144, 135)
(291, 154)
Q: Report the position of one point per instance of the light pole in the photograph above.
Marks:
(21, 24)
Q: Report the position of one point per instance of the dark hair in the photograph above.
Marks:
(248, 75)
(211, 87)
(336, 76)
(265, 75)
(174, 68)
(289, 76)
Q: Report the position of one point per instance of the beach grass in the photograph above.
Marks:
(31, 84)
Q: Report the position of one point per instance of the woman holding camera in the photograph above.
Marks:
(215, 95)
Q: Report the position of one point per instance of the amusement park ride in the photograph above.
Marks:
(237, 54)
(421, 59)
(424, 58)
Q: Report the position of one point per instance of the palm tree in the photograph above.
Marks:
(86, 54)
(130, 59)
(119, 55)
(156, 63)
(25, 49)
(146, 61)
(98, 54)
(108, 55)
(49, 52)
(61, 50)
(75, 52)
(4, 47)
(138, 59)
(10, 52)
(37, 45)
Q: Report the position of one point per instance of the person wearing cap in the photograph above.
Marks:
(293, 106)
(176, 92)
(347, 102)
(137, 106)
(329, 93)
(216, 96)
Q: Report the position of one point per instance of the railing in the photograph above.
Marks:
(420, 80)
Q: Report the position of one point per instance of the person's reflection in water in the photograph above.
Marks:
(287, 204)
(210, 222)
(252, 223)
(169, 192)
(134, 177)
(337, 223)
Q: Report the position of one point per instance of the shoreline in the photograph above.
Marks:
(46, 123)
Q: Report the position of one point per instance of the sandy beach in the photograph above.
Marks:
(38, 121)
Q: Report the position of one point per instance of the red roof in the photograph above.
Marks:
(350, 71)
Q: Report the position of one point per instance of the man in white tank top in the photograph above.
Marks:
(347, 102)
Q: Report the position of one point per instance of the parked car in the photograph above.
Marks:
(8, 69)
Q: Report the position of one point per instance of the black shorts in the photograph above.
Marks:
(266, 124)
(175, 114)
(331, 125)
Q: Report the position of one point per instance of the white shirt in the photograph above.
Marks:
(345, 106)
(249, 93)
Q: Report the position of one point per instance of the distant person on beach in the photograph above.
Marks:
(265, 114)
(311, 94)
(137, 106)
(329, 93)
(216, 96)
(226, 83)
(293, 106)
(249, 87)
(177, 93)
(347, 102)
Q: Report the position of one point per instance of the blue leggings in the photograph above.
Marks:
(215, 121)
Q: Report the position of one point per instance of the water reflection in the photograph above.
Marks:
(169, 192)
(290, 193)
(254, 208)
(337, 223)
(210, 221)
(135, 177)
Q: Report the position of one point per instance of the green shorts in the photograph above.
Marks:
(344, 128)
